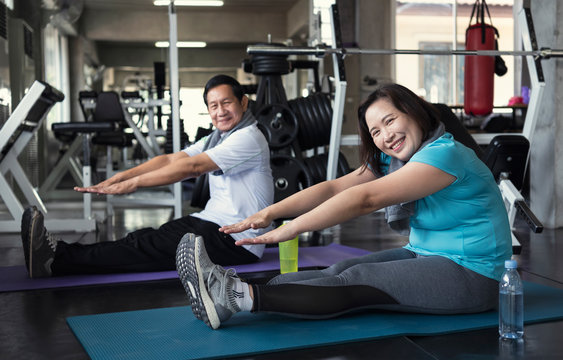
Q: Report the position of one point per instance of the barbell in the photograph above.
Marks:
(321, 51)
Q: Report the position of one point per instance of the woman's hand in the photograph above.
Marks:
(281, 234)
(257, 221)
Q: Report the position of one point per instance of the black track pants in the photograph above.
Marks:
(148, 249)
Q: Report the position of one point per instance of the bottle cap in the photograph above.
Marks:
(510, 264)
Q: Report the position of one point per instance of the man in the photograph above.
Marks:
(236, 157)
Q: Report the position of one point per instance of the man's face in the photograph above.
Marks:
(224, 108)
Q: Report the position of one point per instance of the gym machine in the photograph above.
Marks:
(16, 133)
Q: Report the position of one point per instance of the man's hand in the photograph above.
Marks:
(107, 188)
(95, 188)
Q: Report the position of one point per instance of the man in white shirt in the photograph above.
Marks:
(236, 158)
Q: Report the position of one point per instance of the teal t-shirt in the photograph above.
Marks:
(467, 221)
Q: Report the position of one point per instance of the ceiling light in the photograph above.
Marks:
(189, 3)
(182, 44)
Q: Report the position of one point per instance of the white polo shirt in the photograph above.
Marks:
(246, 185)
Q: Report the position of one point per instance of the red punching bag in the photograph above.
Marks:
(479, 70)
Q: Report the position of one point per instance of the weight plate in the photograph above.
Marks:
(323, 102)
(279, 124)
(315, 176)
(303, 134)
(290, 176)
(321, 123)
(315, 123)
(306, 123)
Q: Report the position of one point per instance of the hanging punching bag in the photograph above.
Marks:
(479, 70)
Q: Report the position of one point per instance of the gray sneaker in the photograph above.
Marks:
(209, 286)
(38, 245)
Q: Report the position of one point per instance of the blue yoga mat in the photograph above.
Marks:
(174, 333)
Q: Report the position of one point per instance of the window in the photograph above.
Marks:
(321, 12)
(193, 111)
(436, 85)
(56, 72)
(430, 25)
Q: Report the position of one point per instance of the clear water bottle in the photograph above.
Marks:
(511, 303)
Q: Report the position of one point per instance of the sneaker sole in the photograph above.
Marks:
(187, 242)
(35, 226)
(189, 271)
(27, 219)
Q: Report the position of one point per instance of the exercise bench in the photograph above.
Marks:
(15, 134)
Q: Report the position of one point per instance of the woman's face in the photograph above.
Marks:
(393, 132)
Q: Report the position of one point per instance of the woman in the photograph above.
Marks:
(431, 187)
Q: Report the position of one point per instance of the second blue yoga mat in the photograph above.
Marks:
(174, 333)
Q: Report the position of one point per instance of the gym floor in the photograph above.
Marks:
(32, 323)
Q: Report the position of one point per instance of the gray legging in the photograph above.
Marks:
(396, 279)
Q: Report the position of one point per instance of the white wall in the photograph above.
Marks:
(546, 168)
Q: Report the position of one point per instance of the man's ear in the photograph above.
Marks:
(244, 102)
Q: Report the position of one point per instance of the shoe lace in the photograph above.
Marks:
(223, 275)
(52, 241)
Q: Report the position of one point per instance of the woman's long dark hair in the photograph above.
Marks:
(407, 102)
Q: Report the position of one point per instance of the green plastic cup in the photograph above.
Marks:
(289, 251)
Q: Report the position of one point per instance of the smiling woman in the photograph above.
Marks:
(396, 113)
(393, 132)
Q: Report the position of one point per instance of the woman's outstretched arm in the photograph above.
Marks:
(412, 182)
(300, 202)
